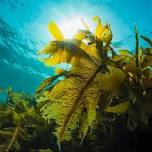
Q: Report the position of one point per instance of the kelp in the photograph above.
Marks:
(74, 97)
(74, 102)
(87, 107)
(20, 123)
(149, 41)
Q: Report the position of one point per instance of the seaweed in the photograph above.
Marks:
(104, 103)
(21, 125)
(75, 103)
(73, 94)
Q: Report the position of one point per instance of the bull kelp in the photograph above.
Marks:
(104, 94)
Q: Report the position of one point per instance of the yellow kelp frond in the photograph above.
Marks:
(91, 50)
(83, 129)
(55, 31)
(124, 55)
(70, 51)
(85, 24)
(99, 29)
(103, 32)
(120, 108)
(77, 97)
(82, 34)
(65, 99)
(107, 35)
(112, 80)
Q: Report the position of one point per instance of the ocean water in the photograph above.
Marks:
(23, 31)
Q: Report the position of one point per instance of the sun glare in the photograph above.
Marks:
(70, 26)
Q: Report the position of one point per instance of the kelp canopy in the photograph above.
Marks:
(105, 93)
(94, 81)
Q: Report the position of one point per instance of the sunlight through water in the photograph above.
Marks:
(69, 27)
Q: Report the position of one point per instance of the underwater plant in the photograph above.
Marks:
(88, 87)
(21, 125)
(103, 100)
(95, 79)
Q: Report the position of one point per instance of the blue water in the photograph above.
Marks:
(23, 31)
